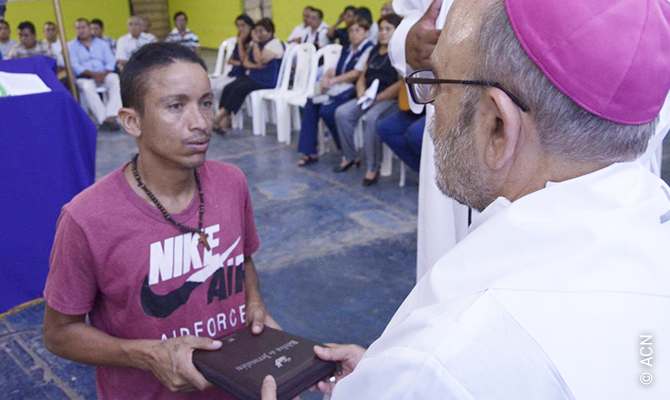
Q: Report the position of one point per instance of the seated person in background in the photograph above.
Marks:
(402, 131)
(387, 9)
(51, 40)
(93, 64)
(146, 27)
(6, 43)
(317, 31)
(263, 62)
(98, 30)
(131, 41)
(114, 240)
(29, 46)
(244, 25)
(182, 35)
(338, 84)
(298, 33)
(348, 114)
(373, 33)
(342, 34)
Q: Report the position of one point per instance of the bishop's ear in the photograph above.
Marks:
(131, 121)
(504, 135)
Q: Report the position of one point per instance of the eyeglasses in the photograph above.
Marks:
(423, 87)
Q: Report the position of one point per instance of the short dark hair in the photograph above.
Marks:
(135, 74)
(179, 14)
(363, 23)
(98, 22)
(27, 25)
(364, 12)
(309, 8)
(392, 19)
(267, 24)
(350, 8)
(4, 22)
(318, 12)
(246, 19)
(82, 19)
(50, 23)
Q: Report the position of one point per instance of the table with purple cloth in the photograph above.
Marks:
(47, 156)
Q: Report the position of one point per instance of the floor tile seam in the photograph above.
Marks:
(250, 153)
(48, 373)
(311, 195)
(329, 251)
(395, 209)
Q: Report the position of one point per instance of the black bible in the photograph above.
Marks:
(243, 361)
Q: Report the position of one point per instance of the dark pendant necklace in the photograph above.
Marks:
(168, 217)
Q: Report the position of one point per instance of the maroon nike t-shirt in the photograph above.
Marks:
(116, 258)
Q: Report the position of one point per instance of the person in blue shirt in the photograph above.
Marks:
(262, 63)
(338, 87)
(93, 65)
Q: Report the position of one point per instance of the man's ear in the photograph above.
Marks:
(505, 133)
(131, 121)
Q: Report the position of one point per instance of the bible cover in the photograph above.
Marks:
(243, 361)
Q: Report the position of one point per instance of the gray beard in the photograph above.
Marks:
(458, 175)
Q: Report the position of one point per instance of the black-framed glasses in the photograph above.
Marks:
(423, 87)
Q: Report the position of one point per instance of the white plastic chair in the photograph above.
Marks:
(277, 98)
(222, 67)
(330, 55)
(254, 100)
(223, 56)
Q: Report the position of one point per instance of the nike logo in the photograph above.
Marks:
(161, 306)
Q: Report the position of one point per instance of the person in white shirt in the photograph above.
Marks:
(6, 43)
(131, 41)
(51, 39)
(560, 289)
(146, 27)
(182, 35)
(298, 33)
(317, 31)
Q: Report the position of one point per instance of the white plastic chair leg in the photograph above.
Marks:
(402, 174)
(295, 118)
(283, 121)
(386, 167)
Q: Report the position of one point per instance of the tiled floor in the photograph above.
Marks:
(336, 258)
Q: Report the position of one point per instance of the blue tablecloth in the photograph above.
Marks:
(47, 156)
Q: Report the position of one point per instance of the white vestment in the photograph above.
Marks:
(563, 294)
(443, 222)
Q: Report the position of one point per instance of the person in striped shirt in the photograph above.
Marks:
(182, 35)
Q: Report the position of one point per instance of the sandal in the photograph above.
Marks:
(306, 160)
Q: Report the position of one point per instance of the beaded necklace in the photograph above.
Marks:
(168, 217)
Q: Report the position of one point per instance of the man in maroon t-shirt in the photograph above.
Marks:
(158, 252)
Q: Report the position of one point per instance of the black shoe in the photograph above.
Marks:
(369, 182)
(340, 168)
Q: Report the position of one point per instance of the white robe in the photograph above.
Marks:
(443, 222)
(549, 297)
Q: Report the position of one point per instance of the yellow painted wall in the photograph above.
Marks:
(212, 20)
(288, 13)
(114, 13)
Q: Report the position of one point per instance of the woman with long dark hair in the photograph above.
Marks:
(244, 25)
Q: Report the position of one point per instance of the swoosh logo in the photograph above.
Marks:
(161, 306)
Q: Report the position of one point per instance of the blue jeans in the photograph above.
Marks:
(310, 123)
(402, 131)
